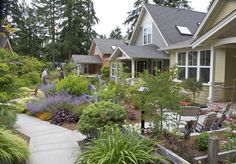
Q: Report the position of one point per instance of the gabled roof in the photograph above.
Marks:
(3, 42)
(147, 52)
(105, 45)
(86, 59)
(167, 19)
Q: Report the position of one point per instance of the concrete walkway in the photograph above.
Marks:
(49, 144)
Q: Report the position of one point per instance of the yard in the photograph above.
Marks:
(110, 115)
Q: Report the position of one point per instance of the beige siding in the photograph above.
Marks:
(172, 59)
(230, 67)
(202, 98)
(147, 19)
(228, 7)
(220, 66)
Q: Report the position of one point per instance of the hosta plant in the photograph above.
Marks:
(12, 148)
(117, 147)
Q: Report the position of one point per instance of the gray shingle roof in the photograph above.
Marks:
(105, 45)
(3, 42)
(184, 44)
(147, 51)
(168, 18)
(86, 59)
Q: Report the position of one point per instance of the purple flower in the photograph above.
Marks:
(54, 102)
(234, 132)
(91, 87)
(48, 89)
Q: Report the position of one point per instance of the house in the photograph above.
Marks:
(98, 56)
(156, 28)
(209, 55)
(5, 43)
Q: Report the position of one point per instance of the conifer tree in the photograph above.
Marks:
(116, 33)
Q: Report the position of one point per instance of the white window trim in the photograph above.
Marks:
(113, 67)
(146, 27)
(186, 66)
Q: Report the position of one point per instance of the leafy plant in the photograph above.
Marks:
(48, 89)
(106, 71)
(117, 147)
(73, 85)
(12, 148)
(7, 116)
(100, 114)
(202, 141)
(63, 116)
(192, 85)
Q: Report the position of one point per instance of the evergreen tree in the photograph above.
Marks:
(133, 16)
(25, 40)
(48, 17)
(79, 18)
(116, 33)
(183, 4)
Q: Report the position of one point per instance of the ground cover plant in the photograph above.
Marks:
(7, 116)
(115, 146)
(100, 114)
(12, 148)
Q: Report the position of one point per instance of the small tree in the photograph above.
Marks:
(162, 93)
(193, 86)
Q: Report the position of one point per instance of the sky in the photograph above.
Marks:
(113, 13)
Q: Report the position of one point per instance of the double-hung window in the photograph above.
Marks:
(113, 69)
(147, 34)
(194, 64)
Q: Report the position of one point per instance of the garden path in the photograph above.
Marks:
(49, 144)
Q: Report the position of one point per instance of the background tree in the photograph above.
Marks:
(133, 16)
(182, 4)
(116, 33)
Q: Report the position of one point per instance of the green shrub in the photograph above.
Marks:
(202, 141)
(73, 85)
(115, 147)
(7, 116)
(109, 92)
(193, 86)
(12, 148)
(105, 71)
(98, 115)
(31, 78)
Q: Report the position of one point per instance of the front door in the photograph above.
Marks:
(142, 65)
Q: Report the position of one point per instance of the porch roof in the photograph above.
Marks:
(86, 59)
(147, 52)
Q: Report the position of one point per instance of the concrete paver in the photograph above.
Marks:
(49, 144)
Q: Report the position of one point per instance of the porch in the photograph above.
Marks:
(136, 59)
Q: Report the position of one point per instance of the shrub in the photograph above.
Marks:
(115, 147)
(45, 116)
(108, 92)
(74, 85)
(55, 102)
(192, 85)
(7, 116)
(105, 71)
(98, 115)
(202, 141)
(12, 148)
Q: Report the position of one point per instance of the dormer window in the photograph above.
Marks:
(184, 30)
(147, 34)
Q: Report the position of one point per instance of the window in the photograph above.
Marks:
(197, 65)
(147, 34)
(113, 70)
(184, 30)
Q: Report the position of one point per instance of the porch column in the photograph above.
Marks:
(212, 75)
(132, 68)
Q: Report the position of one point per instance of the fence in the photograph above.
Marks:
(213, 155)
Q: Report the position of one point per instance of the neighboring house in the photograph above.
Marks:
(5, 43)
(157, 27)
(98, 57)
(210, 54)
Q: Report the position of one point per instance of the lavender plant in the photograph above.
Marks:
(48, 89)
(58, 101)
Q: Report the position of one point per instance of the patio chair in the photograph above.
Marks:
(208, 123)
(219, 121)
(193, 115)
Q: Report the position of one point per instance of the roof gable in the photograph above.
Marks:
(218, 11)
(105, 45)
(167, 19)
(86, 59)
